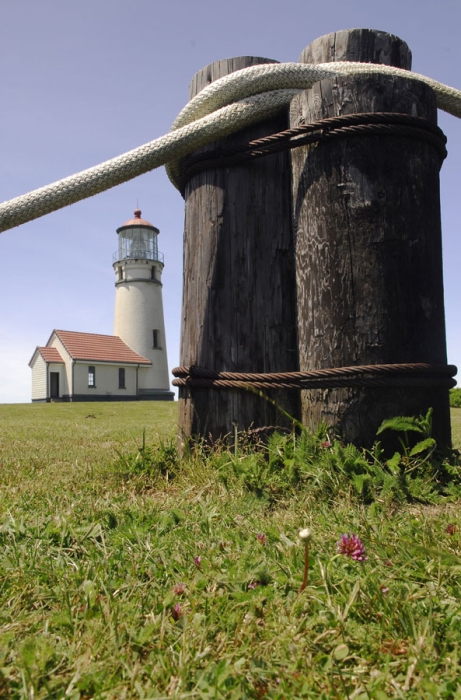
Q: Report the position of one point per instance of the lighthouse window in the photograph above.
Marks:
(156, 338)
(91, 377)
(121, 378)
(152, 273)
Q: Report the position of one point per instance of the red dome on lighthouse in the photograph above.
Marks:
(137, 221)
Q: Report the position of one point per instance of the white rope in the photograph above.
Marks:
(225, 106)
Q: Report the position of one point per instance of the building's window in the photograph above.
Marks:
(92, 377)
(152, 273)
(121, 378)
(120, 273)
(156, 339)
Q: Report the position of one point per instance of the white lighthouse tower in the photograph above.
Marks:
(138, 321)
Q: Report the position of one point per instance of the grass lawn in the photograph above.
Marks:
(125, 573)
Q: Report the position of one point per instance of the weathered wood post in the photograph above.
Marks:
(238, 311)
(368, 241)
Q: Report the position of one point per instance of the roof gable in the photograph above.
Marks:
(98, 348)
(50, 355)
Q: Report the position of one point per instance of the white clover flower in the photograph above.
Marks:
(305, 535)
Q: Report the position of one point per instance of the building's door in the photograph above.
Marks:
(54, 385)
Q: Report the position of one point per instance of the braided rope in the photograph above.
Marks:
(151, 155)
(224, 107)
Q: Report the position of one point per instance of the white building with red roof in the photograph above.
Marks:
(130, 365)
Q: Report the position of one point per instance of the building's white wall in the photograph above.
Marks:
(106, 379)
(38, 366)
(138, 312)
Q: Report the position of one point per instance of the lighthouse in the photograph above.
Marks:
(138, 319)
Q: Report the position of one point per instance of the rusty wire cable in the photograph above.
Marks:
(360, 124)
(407, 375)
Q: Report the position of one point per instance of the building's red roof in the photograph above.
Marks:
(99, 348)
(50, 355)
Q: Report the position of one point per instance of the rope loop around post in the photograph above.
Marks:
(224, 107)
(409, 375)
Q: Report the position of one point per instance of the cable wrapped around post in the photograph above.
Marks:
(415, 375)
(345, 126)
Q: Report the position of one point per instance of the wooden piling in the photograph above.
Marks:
(239, 308)
(367, 230)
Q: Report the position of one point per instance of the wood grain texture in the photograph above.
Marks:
(366, 215)
(239, 305)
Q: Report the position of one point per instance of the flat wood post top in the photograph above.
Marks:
(219, 69)
(362, 45)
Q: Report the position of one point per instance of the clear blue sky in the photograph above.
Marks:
(85, 81)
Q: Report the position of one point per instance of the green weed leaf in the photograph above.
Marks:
(400, 424)
(422, 446)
